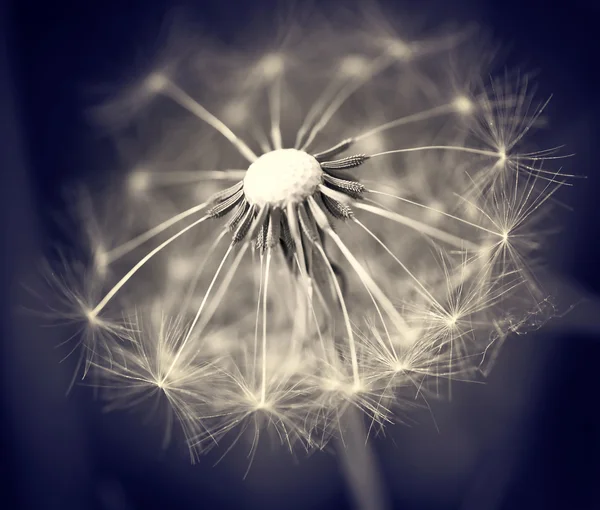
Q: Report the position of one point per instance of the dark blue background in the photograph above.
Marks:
(60, 452)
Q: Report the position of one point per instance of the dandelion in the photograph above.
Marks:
(365, 233)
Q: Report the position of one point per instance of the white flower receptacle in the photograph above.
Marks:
(281, 177)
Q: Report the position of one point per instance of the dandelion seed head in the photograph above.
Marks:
(336, 227)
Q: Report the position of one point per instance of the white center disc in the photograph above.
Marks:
(281, 177)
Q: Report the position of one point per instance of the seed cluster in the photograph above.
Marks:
(376, 243)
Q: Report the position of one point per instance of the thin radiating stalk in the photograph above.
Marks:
(415, 117)
(379, 65)
(200, 308)
(424, 228)
(275, 112)
(180, 177)
(100, 306)
(263, 386)
(355, 373)
(171, 90)
(457, 148)
(122, 250)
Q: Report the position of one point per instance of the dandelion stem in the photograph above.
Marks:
(359, 465)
